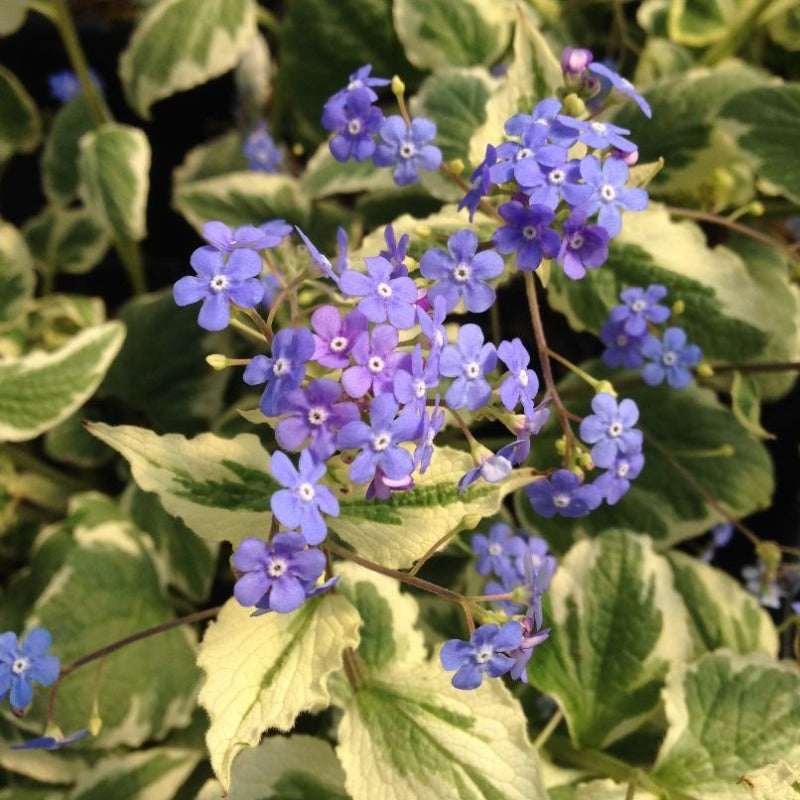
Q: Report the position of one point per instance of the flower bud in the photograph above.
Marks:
(704, 369)
(574, 106)
(575, 60)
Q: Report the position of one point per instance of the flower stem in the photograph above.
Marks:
(548, 729)
(575, 369)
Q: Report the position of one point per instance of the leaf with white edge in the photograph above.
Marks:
(261, 672)
(40, 390)
(411, 734)
(179, 44)
(402, 529)
(727, 714)
(107, 588)
(689, 428)
(20, 124)
(114, 165)
(731, 295)
(60, 177)
(217, 156)
(533, 74)
(66, 240)
(12, 15)
(389, 634)
(608, 790)
(766, 121)
(70, 443)
(616, 624)
(17, 278)
(325, 176)
(700, 23)
(721, 613)
(154, 774)
(436, 33)
(242, 198)
(784, 26)
(294, 766)
(779, 781)
(219, 487)
(746, 405)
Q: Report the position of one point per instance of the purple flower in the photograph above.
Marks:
(616, 482)
(385, 297)
(23, 662)
(376, 362)
(395, 252)
(411, 385)
(291, 349)
(220, 281)
(468, 362)
(485, 652)
(522, 654)
(622, 350)
(670, 358)
(64, 85)
(610, 429)
(433, 327)
(527, 233)
(314, 413)
(407, 149)
(546, 187)
(544, 115)
(524, 427)
(599, 135)
(260, 150)
(461, 272)
(355, 121)
(605, 190)
(246, 237)
(496, 550)
(480, 181)
(381, 487)
(278, 575)
(575, 60)
(534, 149)
(380, 441)
(51, 742)
(563, 494)
(300, 504)
(622, 85)
(583, 246)
(431, 425)
(639, 307)
(361, 79)
(520, 384)
(323, 262)
(763, 583)
(334, 337)
(493, 467)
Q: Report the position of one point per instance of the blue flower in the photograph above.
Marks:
(622, 349)
(407, 148)
(496, 550)
(260, 150)
(284, 371)
(670, 358)
(51, 742)
(537, 567)
(361, 79)
(485, 652)
(640, 306)
(520, 384)
(616, 482)
(377, 360)
(277, 576)
(304, 499)
(24, 662)
(431, 425)
(462, 272)
(543, 115)
(599, 135)
(64, 85)
(583, 246)
(411, 384)
(610, 429)
(356, 121)
(380, 441)
(385, 297)
(395, 252)
(527, 233)
(468, 362)
(480, 182)
(245, 237)
(220, 281)
(533, 150)
(522, 654)
(492, 467)
(334, 336)
(563, 494)
(622, 85)
(547, 186)
(322, 261)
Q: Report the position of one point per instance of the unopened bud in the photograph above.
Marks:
(678, 307)
(217, 361)
(575, 60)
(757, 208)
(398, 87)
(704, 369)
(574, 106)
(577, 471)
(95, 724)
(605, 387)
(423, 231)
(561, 446)
(585, 461)
(630, 158)
(456, 166)
(298, 149)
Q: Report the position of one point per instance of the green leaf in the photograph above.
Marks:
(109, 587)
(746, 405)
(40, 390)
(60, 177)
(20, 124)
(262, 672)
(218, 156)
(533, 74)
(294, 767)
(438, 33)
(12, 15)
(779, 781)
(700, 23)
(325, 176)
(721, 612)
(411, 734)
(66, 240)
(606, 790)
(174, 391)
(400, 530)
(114, 163)
(179, 44)
(154, 774)
(766, 122)
(242, 198)
(616, 625)
(694, 431)
(784, 28)
(70, 443)
(17, 278)
(727, 714)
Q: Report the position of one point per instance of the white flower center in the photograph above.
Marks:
(354, 127)
(639, 306)
(20, 666)
(384, 290)
(529, 232)
(420, 388)
(281, 366)
(375, 365)
(523, 152)
(561, 500)
(317, 415)
(407, 150)
(522, 377)
(556, 176)
(622, 340)
(338, 343)
(305, 491)
(276, 567)
(669, 358)
(598, 127)
(615, 429)
(622, 469)
(495, 549)
(607, 193)
(219, 283)
(472, 370)
(380, 441)
(462, 272)
(356, 84)
(484, 654)
(576, 241)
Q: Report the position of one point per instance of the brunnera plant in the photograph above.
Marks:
(375, 545)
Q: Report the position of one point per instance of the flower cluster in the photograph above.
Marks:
(22, 663)
(260, 150)
(629, 335)
(362, 132)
